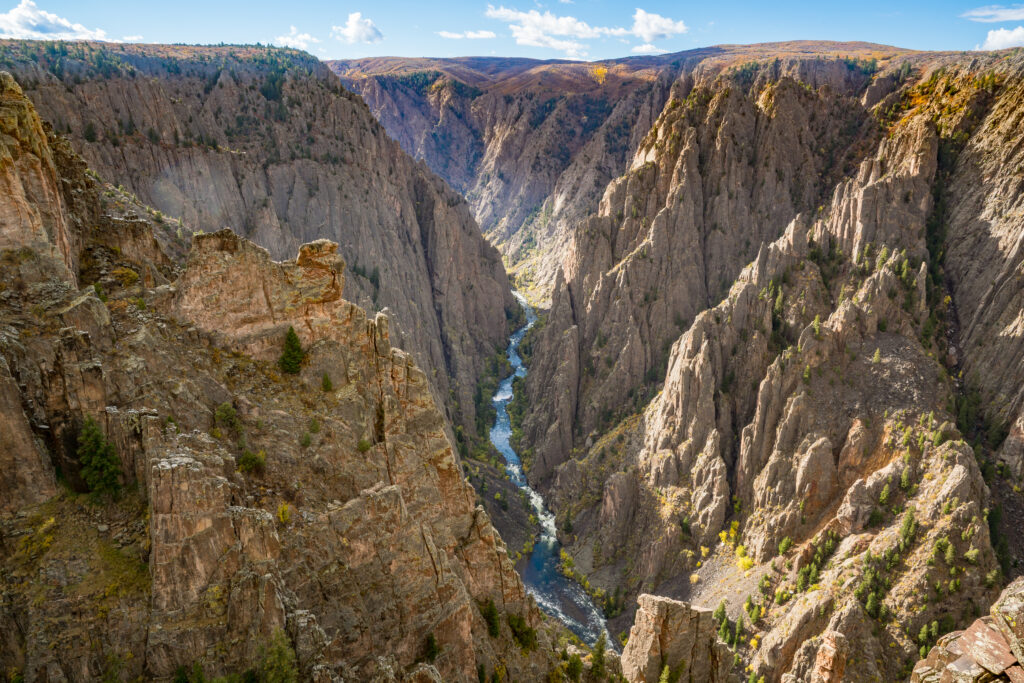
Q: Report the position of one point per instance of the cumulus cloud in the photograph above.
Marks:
(995, 13)
(648, 49)
(299, 41)
(357, 30)
(29, 22)
(1003, 38)
(471, 35)
(564, 33)
(649, 27)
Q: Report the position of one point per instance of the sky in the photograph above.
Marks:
(548, 29)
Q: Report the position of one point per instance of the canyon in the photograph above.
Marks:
(775, 398)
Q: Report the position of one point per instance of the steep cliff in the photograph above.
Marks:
(732, 159)
(266, 141)
(815, 452)
(255, 517)
(533, 144)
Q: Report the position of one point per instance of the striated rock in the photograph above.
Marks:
(668, 633)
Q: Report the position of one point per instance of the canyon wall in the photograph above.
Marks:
(317, 521)
(267, 142)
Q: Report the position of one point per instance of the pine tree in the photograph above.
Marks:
(100, 466)
(719, 613)
(597, 667)
(723, 631)
(872, 605)
(291, 359)
(738, 635)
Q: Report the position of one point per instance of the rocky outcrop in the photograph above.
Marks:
(259, 511)
(267, 142)
(673, 635)
(990, 649)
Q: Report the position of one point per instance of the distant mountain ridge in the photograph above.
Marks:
(533, 143)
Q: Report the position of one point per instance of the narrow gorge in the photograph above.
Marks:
(695, 366)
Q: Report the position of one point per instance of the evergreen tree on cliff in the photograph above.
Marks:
(291, 359)
(101, 468)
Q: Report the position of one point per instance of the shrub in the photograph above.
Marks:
(877, 358)
(277, 664)
(291, 358)
(490, 614)
(305, 440)
(524, 634)
(364, 445)
(226, 416)
(100, 466)
(432, 649)
(326, 383)
(785, 544)
(314, 426)
(574, 669)
(90, 132)
(126, 276)
(252, 462)
(284, 513)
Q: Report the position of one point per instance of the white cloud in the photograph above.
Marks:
(357, 30)
(300, 41)
(563, 33)
(131, 39)
(1003, 38)
(648, 49)
(649, 27)
(29, 22)
(995, 13)
(472, 35)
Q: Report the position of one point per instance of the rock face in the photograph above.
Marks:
(329, 522)
(723, 170)
(532, 145)
(813, 453)
(990, 649)
(268, 143)
(672, 634)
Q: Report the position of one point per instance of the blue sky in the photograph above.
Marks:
(580, 29)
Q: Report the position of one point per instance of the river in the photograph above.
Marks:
(556, 594)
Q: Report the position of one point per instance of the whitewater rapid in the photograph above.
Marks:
(556, 594)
